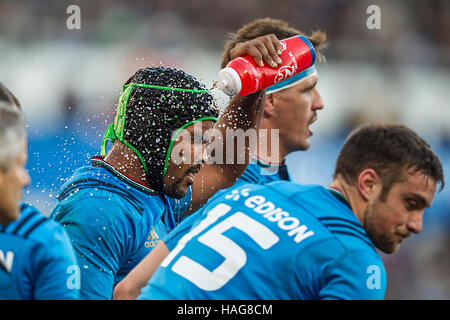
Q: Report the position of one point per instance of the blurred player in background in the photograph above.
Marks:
(36, 258)
(283, 240)
(115, 210)
(7, 97)
(291, 107)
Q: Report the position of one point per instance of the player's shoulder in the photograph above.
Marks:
(251, 175)
(337, 217)
(290, 189)
(285, 193)
(348, 233)
(33, 225)
(101, 183)
(323, 210)
(94, 193)
(91, 212)
(331, 211)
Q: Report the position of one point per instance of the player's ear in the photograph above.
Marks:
(368, 184)
(269, 106)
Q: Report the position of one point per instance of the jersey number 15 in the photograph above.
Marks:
(235, 256)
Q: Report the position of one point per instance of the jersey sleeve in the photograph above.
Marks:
(101, 233)
(57, 271)
(355, 276)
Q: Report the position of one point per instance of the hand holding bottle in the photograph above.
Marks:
(246, 73)
(262, 49)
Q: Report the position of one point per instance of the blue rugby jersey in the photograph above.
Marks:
(261, 172)
(36, 259)
(276, 241)
(257, 172)
(113, 223)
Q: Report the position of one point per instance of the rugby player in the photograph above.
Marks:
(36, 258)
(284, 240)
(290, 107)
(117, 209)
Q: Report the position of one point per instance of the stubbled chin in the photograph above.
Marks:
(179, 192)
(391, 249)
(305, 144)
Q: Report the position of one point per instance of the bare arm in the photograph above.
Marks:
(130, 287)
(243, 112)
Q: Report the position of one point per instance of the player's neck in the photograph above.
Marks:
(126, 161)
(351, 195)
(270, 148)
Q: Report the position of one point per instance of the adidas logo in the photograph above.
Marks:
(152, 239)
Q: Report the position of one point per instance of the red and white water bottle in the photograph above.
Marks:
(243, 76)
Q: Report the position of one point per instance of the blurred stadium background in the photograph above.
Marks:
(68, 82)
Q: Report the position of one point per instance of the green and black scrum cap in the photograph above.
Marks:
(155, 104)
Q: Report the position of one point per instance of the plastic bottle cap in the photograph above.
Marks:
(229, 81)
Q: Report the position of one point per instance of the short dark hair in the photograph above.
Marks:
(388, 148)
(7, 96)
(266, 26)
